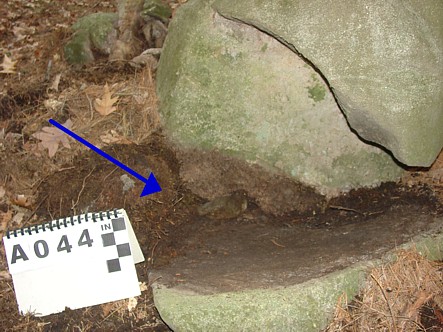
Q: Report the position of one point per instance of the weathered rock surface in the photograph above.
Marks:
(383, 60)
(227, 86)
(120, 35)
(92, 33)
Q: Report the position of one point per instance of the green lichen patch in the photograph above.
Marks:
(226, 86)
(264, 47)
(78, 50)
(317, 92)
(95, 32)
(156, 8)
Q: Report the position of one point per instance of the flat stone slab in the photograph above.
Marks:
(252, 275)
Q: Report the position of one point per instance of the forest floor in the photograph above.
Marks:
(43, 178)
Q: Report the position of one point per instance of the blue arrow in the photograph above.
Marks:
(151, 184)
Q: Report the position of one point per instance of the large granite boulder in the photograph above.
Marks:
(94, 33)
(229, 87)
(382, 59)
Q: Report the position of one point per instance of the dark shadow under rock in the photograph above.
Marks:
(211, 175)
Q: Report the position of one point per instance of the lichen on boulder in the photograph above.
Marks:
(382, 59)
(93, 34)
(157, 9)
(226, 86)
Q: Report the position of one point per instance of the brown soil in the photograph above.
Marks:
(35, 188)
(257, 251)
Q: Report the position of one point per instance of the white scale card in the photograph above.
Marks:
(73, 262)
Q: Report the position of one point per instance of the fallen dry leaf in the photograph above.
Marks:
(439, 314)
(105, 105)
(113, 137)
(53, 104)
(2, 192)
(106, 308)
(55, 83)
(5, 275)
(51, 137)
(143, 286)
(17, 221)
(22, 200)
(132, 303)
(32, 148)
(19, 32)
(8, 65)
(5, 218)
